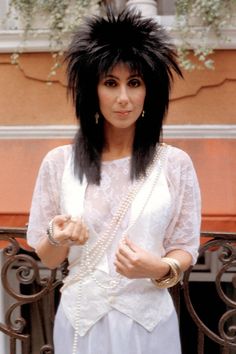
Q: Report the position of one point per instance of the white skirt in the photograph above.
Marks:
(115, 333)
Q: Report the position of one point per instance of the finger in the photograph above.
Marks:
(119, 267)
(122, 259)
(124, 270)
(61, 231)
(131, 245)
(125, 251)
(63, 234)
(84, 234)
(82, 237)
(59, 221)
(77, 229)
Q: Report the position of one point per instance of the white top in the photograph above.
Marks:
(170, 220)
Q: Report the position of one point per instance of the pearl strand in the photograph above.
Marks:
(101, 245)
(103, 242)
(114, 282)
(78, 307)
(95, 254)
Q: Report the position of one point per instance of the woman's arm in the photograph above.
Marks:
(183, 257)
(134, 262)
(50, 255)
(65, 233)
(45, 206)
(181, 240)
(183, 231)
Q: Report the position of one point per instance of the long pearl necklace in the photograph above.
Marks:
(93, 256)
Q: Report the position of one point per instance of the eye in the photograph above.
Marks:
(110, 83)
(134, 82)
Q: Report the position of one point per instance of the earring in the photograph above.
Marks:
(143, 113)
(96, 116)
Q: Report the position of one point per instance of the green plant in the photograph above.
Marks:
(58, 17)
(197, 21)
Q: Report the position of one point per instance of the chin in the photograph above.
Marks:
(124, 125)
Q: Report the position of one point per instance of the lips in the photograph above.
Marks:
(123, 113)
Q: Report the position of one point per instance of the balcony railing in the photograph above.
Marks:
(29, 296)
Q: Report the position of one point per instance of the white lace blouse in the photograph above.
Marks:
(101, 201)
(171, 221)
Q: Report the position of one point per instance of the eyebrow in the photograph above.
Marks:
(115, 77)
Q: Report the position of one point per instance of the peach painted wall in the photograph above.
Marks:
(203, 97)
(25, 96)
(214, 161)
(207, 96)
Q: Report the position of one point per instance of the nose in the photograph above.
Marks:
(123, 96)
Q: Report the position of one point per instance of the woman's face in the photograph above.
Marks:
(121, 95)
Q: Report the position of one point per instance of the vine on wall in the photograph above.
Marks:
(196, 21)
(58, 17)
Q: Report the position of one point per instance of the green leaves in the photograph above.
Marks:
(197, 21)
(57, 18)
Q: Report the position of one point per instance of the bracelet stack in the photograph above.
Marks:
(50, 235)
(172, 278)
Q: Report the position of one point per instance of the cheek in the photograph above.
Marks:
(104, 99)
(140, 98)
(140, 95)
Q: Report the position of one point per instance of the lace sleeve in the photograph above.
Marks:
(183, 232)
(46, 196)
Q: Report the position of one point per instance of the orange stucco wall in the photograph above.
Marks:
(214, 161)
(206, 96)
(203, 97)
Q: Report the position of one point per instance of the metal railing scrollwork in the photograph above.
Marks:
(31, 290)
(224, 245)
(29, 294)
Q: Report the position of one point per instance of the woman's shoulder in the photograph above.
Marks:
(178, 162)
(177, 156)
(55, 160)
(59, 153)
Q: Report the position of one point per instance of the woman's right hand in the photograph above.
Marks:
(69, 231)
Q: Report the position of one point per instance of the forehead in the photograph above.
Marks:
(121, 68)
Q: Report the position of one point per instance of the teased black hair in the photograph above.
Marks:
(98, 45)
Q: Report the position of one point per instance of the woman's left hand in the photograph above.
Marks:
(133, 261)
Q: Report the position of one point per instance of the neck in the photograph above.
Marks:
(119, 143)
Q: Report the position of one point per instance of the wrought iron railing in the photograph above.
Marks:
(221, 270)
(29, 295)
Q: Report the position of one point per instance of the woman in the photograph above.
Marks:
(122, 207)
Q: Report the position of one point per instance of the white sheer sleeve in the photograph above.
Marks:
(46, 196)
(183, 232)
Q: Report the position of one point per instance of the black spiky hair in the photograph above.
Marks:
(98, 45)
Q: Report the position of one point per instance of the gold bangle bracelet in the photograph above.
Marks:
(172, 278)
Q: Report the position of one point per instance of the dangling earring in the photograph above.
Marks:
(96, 116)
(143, 113)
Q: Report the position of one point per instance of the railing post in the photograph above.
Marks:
(200, 342)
